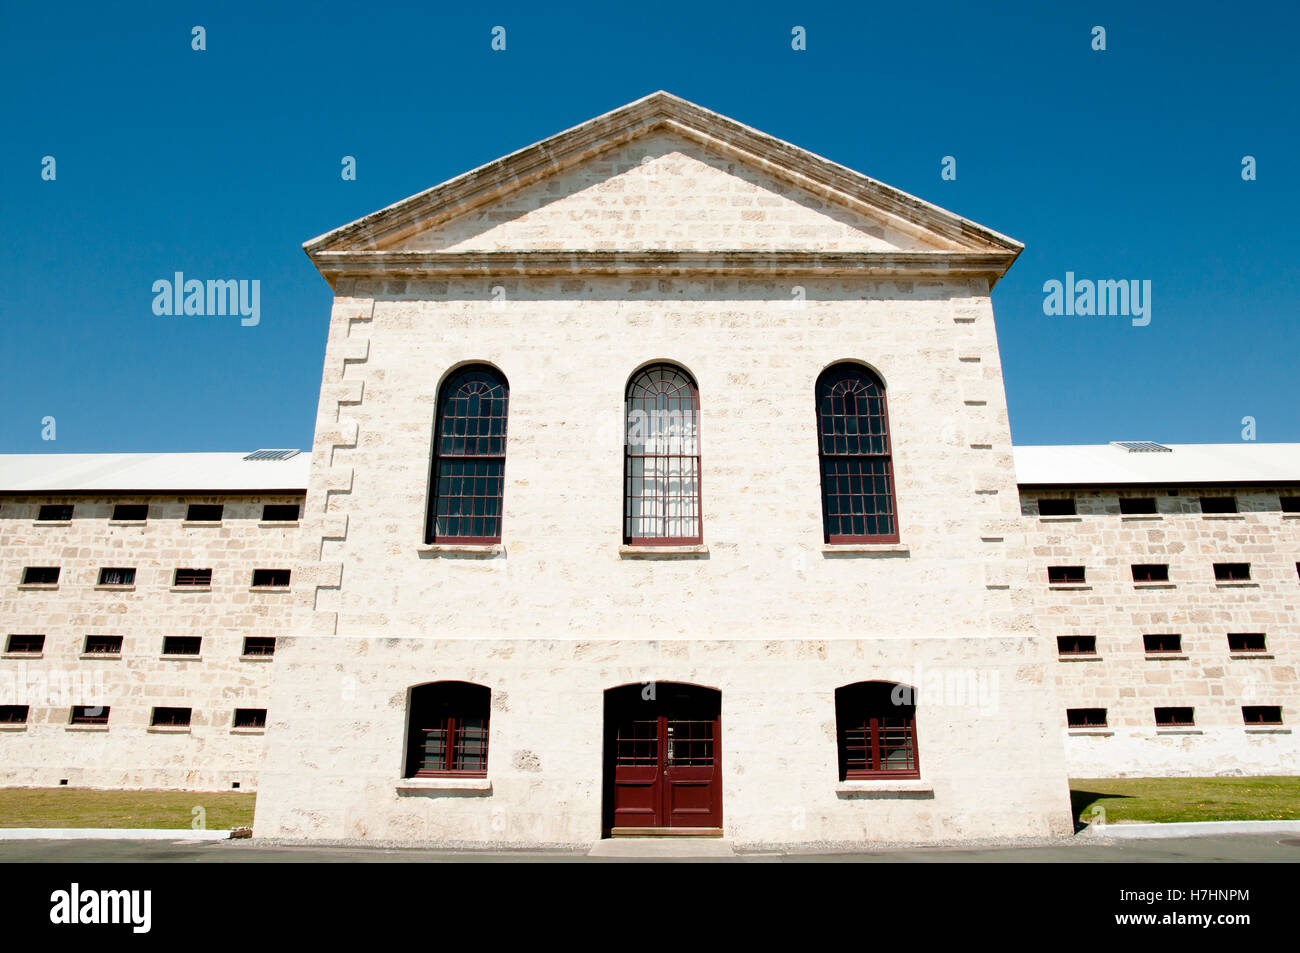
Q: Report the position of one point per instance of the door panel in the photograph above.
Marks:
(662, 758)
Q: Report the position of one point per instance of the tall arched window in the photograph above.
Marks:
(876, 726)
(857, 475)
(447, 730)
(469, 446)
(661, 493)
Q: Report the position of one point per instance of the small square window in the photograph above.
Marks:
(117, 577)
(1175, 717)
(259, 645)
(271, 578)
(13, 714)
(54, 513)
(89, 715)
(1218, 504)
(171, 717)
(193, 577)
(280, 513)
(182, 644)
(1076, 644)
(1150, 572)
(25, 644)
(1137, 505)
(131, 512)
(1232, 572)
(1085, 717)
(204, 513)
(40, 575)
(1065, 575)
(1290, 504)
(1162, 644)
(250, 718)
(1262, 714)
(103, 645)
(1247, 642)
(1048, 507)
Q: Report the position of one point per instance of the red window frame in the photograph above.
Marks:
(853, 459)
(1261, 714)
(80, 715)
(1073, 644)
(1245, 643)
(259, 645)
(1173, 717)
(102, 645)
(467, 481)
(661, 444)
(457, 717)
(1163, 643)
(164, 717)
(25, 645)
(1085, 717)
(182, 646)
(863, 715)
(1232, 572)
(1150, 572)
(1067, 575)
(192, 577)
(249, 718)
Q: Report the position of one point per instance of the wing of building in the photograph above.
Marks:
(661, 483)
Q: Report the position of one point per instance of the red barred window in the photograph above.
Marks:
(876, 725)
(447, 733)
(857, 474)
(465, 500)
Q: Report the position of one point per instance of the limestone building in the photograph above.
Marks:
(661, 482)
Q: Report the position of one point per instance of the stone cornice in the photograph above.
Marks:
(336, 266)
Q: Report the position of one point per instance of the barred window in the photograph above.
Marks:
(447, 732)
(117, 576)
(465, 500)
(661, 490)
(876, 726)
(857, 475)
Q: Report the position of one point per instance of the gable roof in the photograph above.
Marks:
(364, 247)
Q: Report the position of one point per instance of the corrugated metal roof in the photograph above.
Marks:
(149, 472)
(1089, 465)
(1108, 464)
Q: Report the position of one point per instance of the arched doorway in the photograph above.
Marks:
(663, 760)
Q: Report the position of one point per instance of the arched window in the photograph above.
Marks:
(447, 730)
(469, 446)
(661, 476)
(876, 726)
(858, 503)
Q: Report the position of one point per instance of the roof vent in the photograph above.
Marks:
(272, 454)
(1141, 446)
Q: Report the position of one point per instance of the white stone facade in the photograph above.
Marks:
(1204, 674)
(662, 232)
(127, 753)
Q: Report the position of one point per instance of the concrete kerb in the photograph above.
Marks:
(110, 833)
(1187, 829)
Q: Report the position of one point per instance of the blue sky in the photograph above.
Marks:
(1117, 164)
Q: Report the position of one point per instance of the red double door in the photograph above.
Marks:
(663, 764)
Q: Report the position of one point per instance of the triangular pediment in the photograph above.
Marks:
(664, 191)
(659, 176)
